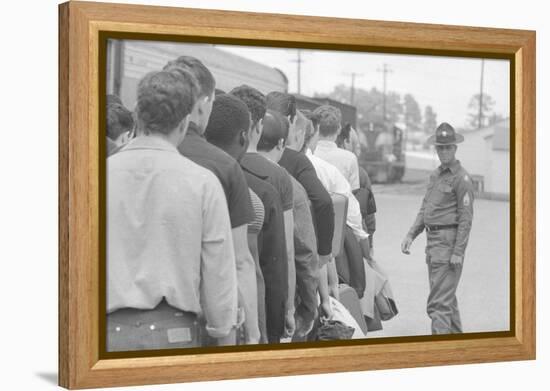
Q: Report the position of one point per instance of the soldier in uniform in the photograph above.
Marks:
(446, 214)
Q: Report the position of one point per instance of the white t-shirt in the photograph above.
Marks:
(344, 161)
(334, 182)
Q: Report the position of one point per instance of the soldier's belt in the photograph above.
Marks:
(431, 228)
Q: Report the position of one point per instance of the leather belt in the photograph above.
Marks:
(162, 312)
(430, 228)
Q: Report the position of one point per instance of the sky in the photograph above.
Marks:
(445, 83)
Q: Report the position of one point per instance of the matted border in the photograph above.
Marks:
(83, 30)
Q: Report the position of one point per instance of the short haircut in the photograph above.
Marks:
(253, 99)
(164, 99)
(313, 117)
(229, 117)
(329, 120)
(119, 120)
(206, 80)
(344, 135)
(274, 129)
(282, 102)
(218, 91)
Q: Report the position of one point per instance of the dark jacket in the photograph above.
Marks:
(300, 167)
(272, 255)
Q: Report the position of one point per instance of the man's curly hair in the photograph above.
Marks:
(253, 99)
(329, 119)
(164, 99)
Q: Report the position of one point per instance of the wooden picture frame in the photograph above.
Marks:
(81, 225)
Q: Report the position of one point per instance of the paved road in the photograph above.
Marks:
(483, 292)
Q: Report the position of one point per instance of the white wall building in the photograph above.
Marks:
(485, 154)
(128, 61)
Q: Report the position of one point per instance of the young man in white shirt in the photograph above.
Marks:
(170, 254)
(329, 127)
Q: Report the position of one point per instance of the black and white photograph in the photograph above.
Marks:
(266, 195)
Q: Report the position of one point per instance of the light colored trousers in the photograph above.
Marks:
(442, 305)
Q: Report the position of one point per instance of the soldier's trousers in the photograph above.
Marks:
(442, 305)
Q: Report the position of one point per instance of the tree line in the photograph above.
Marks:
(406, 109)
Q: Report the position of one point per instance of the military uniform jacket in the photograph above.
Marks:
(448, 200)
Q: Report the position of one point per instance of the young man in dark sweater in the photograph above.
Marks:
(300, 167)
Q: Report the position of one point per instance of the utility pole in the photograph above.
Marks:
(299, 62)
(385, 70)
(480, 115)
(352, 90)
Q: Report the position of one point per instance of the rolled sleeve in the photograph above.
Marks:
(218, 270)
(219, 332)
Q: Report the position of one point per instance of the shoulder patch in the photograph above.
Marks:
(466, 200)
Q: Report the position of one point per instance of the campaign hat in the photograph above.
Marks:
(445, 134)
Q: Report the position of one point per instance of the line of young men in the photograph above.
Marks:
(219, 216)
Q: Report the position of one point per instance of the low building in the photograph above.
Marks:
(130, 60)
(485, 154)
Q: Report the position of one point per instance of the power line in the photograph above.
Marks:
(385, 70)
(352, 89)
(480, 115)
(299, 62)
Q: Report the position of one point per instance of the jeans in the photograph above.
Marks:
(163, 327)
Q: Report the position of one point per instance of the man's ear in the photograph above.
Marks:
(194, 115)
(243, 138)
(281, 144)
(184, 124)
(125, 137)
(199, 107)
(200, 104)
